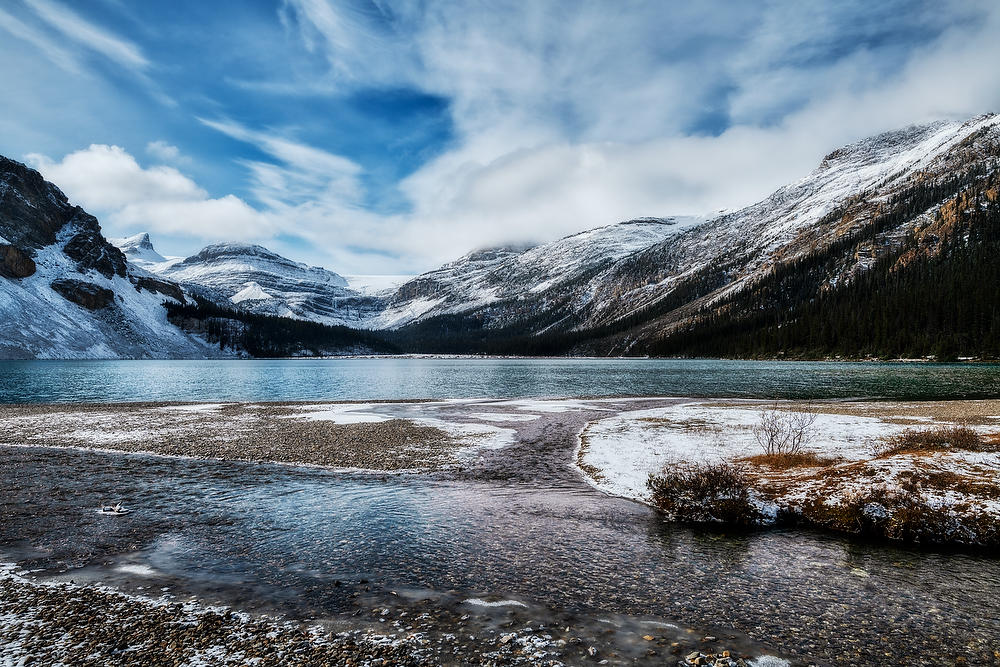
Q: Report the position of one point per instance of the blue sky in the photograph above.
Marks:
(387, 137)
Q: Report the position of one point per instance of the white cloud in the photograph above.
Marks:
(305, 171)
(161, 150)
(571, 116)
(45, 44)
(109, 182)
(75, 27)
(566, 116)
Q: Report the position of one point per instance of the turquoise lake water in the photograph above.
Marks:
(394, 378)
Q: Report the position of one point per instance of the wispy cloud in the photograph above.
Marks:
(304, 171)
(44, 43)
(557, 116)
(91, 36)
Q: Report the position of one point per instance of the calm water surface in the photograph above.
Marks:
(394, 378)
(289, 537)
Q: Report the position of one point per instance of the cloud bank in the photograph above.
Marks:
(565, 116)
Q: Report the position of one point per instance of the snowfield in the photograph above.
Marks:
(618, 454)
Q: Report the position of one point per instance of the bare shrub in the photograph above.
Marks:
(931, 440)
(704, 493)
(781, 433)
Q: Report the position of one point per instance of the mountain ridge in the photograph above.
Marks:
(878, 205)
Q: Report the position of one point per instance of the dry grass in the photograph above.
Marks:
(946, 438)
(788, 461)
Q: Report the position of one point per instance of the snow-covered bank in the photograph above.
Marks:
(958, 491)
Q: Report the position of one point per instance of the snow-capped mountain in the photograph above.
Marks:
(878, 205)
(639, 288)
(65, 292)
(261, 281)
(546, 276)
(851, 188)
(139, 250)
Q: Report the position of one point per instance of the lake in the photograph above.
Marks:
(410, 378)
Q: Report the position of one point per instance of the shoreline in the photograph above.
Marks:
(535, 443)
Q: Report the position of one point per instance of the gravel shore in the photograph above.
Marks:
(231, 432)
(46, 624)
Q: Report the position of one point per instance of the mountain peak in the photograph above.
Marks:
(139, 249)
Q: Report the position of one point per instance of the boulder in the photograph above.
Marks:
(14, 262)
(88, 295)
(157, 286)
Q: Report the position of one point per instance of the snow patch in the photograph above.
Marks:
(251, 292)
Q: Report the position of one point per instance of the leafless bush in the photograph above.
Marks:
(704, 493)
(782, 433)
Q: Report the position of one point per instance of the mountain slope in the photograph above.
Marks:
(65, 292)
(877, 198)
(507, 280)
(261, 281)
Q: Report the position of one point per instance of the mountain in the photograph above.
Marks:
(260, 281)
(65, 292)
(890, 247)
(874, 205)
(139, 250)
(510, 284)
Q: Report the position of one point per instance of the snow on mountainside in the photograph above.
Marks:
(854, 187)
(263, 281)
(65, 292)
(139, 250)
(537, 273)
(662, 271)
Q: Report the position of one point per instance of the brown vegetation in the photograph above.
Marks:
(933, 440)
(783, 433)
(704, 493)
(787, 461)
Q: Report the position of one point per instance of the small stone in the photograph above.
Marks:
(648, 638)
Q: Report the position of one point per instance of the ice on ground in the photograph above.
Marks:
(549, 405)
(194, 407)
(475, 437)
(504, 417)
(345, 413)
(479, 602)
(141, 570)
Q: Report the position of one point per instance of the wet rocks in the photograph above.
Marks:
(82, 293)
(721, 659)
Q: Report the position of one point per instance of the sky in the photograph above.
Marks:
(378, 137)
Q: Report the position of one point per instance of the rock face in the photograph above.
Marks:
(157, 286)
(14, 263)
(256, 279)
(32, 210)
(88, 295)
(65, 292)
